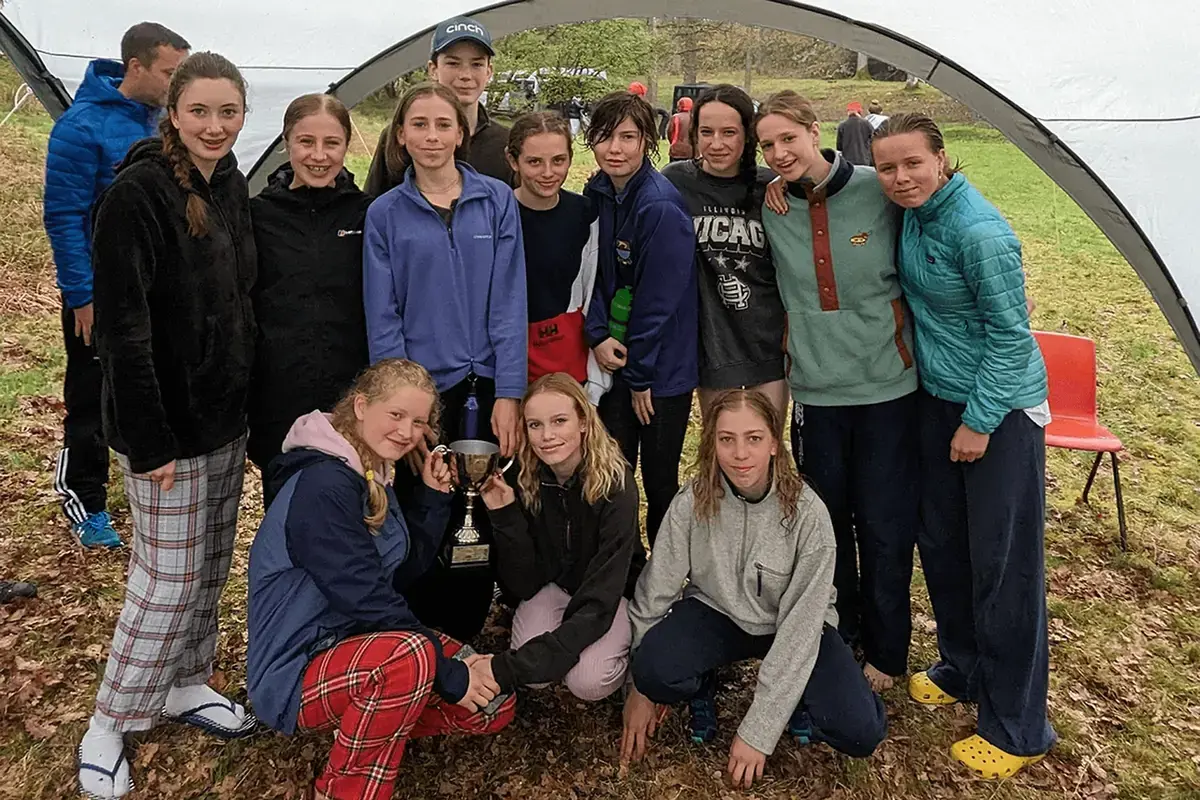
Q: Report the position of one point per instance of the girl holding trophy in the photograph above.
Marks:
(333, 643)
(570, 549)
(444, 285)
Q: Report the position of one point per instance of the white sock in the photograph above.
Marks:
(182, 699)
(103, 748)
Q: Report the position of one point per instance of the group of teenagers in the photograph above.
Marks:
(336, 336)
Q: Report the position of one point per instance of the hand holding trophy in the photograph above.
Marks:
(473, 463)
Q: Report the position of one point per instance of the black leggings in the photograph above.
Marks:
(660, 443)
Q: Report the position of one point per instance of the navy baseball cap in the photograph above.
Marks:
(460, 29)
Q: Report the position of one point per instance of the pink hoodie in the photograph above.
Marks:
(315, 430)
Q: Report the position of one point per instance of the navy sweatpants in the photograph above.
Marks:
(862, 460)
(981, 546)
(693, 639)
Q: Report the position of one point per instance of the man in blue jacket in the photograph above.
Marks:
(644, 317)
(117, 104)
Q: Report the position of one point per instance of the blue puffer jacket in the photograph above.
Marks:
(86, 144)
(960, 268)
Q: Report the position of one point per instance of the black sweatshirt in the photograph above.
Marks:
(485, 153)
(592, 552)
(854, 140)
(741, 314)
(308, 303)
(174, 324)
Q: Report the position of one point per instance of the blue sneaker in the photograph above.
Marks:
(702, 723)
(97, 531)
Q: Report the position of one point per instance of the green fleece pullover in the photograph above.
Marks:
(849, 332)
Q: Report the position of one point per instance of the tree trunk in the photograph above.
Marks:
(652, 79)
(749, 65)
(690, 51)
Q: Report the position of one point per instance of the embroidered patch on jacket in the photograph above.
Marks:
(624, 251)
(859, 239)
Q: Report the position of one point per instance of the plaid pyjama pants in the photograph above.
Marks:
(376, 692)
(182, 544)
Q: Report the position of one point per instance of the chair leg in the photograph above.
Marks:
(1087, 487)
(1120, 503)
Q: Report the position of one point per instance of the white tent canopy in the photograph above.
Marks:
(1089, 90)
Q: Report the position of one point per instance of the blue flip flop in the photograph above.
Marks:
(195, 717)
(111, 774)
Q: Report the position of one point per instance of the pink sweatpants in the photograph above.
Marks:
(602, 665)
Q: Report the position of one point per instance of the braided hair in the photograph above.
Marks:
(737, 99)
(374, 384)
(195, 67)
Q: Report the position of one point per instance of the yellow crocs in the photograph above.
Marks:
(926, 692)
(988, 761)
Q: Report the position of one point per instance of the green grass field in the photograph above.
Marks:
(1124, 628)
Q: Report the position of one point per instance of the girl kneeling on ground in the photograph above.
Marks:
(570, 549)
(333, 645)
(755, 546)
(982, 407)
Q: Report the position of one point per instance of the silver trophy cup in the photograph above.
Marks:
(473, 461)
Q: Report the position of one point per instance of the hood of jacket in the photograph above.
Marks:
(315, 431)
(101, 84)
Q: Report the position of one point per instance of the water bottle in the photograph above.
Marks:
(618, 313)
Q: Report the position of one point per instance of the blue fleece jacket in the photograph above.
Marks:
(86, 144)
(960, 268)
(450, 297)
(647, 241)
(318, 576)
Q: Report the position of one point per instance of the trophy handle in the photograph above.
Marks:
(504, 469)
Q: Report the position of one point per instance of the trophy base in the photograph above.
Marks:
(467, 556)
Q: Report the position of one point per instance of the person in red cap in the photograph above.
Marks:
(854, 136)
(660, 114)
(680, 131)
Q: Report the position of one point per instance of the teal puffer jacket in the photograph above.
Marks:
(960, 268)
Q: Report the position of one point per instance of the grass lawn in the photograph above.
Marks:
(1124, 628)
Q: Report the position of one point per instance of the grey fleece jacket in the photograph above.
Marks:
(768, 576)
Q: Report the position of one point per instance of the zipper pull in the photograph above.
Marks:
(758, 567)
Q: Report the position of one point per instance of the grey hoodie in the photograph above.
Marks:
(768, 576)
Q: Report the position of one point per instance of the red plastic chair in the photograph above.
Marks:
(1071, 370)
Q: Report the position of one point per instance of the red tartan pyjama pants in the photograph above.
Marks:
(376, 692)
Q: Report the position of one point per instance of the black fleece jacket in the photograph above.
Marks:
(593, 552)
(174, 325)
(485, 153)
(308, 303)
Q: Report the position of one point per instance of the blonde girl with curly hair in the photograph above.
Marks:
(333, 642)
